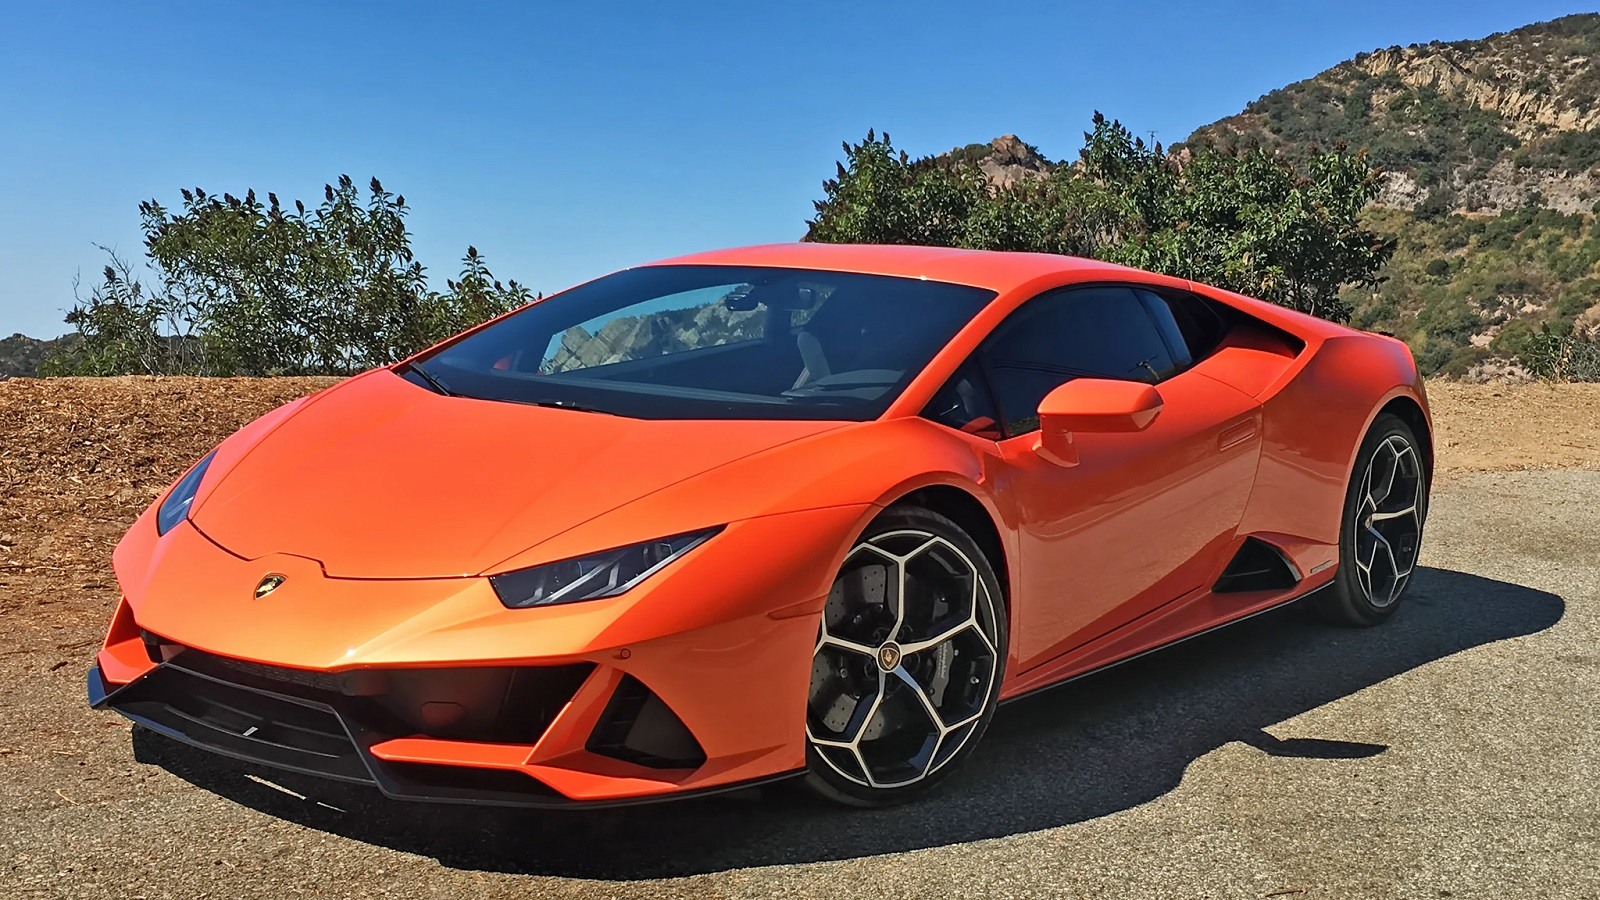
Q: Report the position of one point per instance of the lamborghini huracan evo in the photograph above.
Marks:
(795, 510)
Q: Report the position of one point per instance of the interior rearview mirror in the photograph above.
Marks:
(1092, 406)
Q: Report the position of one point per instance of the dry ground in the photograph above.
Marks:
(1452, 753)
(1489, 427)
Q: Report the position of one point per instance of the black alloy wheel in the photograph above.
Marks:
(906, 670)
(1381, 534)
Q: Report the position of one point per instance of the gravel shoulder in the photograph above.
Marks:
(1451, 753)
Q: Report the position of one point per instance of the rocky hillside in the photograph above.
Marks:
(1491, 154)
(1491, 150)
(1006, 161)
(21, 355)
(1476, 126)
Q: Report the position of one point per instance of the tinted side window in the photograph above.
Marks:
(1082, 332)
(1167, 326)
(1201, 325)
(965, 404)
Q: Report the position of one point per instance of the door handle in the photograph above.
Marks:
(1238, 434)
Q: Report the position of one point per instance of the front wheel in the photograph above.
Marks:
(906, 671)
(1381, 533)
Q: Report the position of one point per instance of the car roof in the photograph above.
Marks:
(992, 269)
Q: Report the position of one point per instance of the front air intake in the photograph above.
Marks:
(1257, 566)
(638, 727)
(491, 704)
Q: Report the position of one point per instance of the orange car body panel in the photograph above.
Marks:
(386, 505)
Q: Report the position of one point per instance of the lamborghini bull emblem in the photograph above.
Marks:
(888, 657)
(269, 584)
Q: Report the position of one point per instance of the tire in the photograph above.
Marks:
(872, 739)
(1380, 534)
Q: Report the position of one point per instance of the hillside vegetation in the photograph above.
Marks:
(1476, 240)
(1248, 220)
(1491, 152)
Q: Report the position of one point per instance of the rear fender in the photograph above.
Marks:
(1312, 427)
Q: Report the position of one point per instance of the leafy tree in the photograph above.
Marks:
(123, 328)
(884, 197)
(250, 288)
(1238, 218)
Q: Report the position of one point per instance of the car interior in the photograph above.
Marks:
(845, 345)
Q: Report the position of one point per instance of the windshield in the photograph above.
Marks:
(712, 342)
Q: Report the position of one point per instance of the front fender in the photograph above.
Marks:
(866, 464)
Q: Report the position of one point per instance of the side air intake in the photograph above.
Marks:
(1258, 566)
(638, 727)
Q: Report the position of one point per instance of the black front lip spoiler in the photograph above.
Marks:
(389, 779)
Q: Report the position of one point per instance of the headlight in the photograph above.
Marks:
(604, 574)
(176, 506)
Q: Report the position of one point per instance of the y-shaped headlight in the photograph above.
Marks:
(176, 506)
(604, 574)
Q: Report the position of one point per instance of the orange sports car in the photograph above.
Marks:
(795, 510)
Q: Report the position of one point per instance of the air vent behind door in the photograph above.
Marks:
(1257, 566)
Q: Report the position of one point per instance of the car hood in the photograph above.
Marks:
(380, 478)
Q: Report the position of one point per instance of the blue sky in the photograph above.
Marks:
(567, 140)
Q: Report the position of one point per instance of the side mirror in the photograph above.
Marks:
(1092, 405)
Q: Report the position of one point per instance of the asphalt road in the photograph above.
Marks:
(1451, 753)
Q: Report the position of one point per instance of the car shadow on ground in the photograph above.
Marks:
(1094, 747)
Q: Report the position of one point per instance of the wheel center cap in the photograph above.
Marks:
(889, 656)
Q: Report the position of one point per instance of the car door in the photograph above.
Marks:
(1142, 518)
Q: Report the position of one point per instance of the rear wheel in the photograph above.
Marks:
(906, 670)
(1381, 534)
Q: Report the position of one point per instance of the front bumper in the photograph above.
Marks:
(722, 647)
(312, 724)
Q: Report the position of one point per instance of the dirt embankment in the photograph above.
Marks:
(1489, 427)
(79, 459)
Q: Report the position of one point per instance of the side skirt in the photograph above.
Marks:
(1143, 653)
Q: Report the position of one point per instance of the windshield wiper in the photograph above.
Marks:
(567, 404)
(433, 382)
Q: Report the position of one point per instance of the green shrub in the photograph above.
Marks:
(1434, 356)
(244, 287)
(1513, 340)
(1563, 357)
(1242, 219)
(1460, 363)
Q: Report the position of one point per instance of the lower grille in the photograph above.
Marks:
(289, 733)
(321, 723)
(305, 678)
(492, 704)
